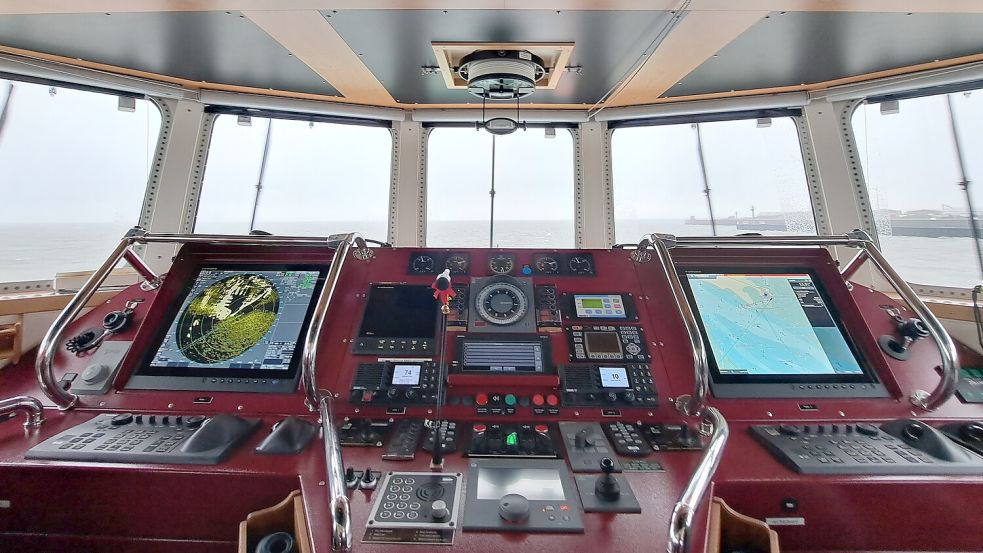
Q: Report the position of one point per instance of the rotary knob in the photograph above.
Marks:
(513, 507)
(439, 511)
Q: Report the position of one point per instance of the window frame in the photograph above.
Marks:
(850, 138)
(427, 129)
(211, 113)
(795, 115)
(47, 285)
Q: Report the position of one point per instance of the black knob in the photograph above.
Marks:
(611, 397)
(607, 465)
(122, 419)
(914, 329)
(867, 429)
(411, 394)
(629, 396)
(913, 431)
(195, 421)
(972, 432)
(513, 507)
(393, 393)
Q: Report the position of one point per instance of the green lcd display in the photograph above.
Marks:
(592, 303)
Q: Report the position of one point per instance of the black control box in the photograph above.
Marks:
(628, 385)
(607, 343)
(395, 383)
(511, 440)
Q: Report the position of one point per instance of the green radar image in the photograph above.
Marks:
(227, 318)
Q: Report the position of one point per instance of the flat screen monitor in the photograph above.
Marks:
(533, 484)
(400, 311)
(776, 335)
(234, 328)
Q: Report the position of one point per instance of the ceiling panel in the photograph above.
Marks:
(792, 48)
(394, 44)
(217, 47)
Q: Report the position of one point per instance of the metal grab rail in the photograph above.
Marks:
(64, 399)
(31, 406)
(856, 239)
(681, 522)
(687, 405)
(338, 505)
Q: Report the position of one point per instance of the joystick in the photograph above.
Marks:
(352, 478)
(581, 440)
(911, 330)
(606, 487)
(369, 480)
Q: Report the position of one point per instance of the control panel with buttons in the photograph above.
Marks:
(141, 438)
(389, 346)
(494, 403)
(511, 440)
(607, 343)
(547, 309)
(404, 383)
(417, 500)
(618, 386)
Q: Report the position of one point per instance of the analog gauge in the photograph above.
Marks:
(501, 264)
(547, 265)
(422, 264)
(501, 303)
(458, 264)
(581, 264)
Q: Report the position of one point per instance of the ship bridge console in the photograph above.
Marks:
(487, 399)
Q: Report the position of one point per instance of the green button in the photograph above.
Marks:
(511, 438)
(509, 400)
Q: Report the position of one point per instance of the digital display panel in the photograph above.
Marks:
(771, 326)
(406, 375)
(599, 306)
(533, 484)
(603, 343)
(503, 356)
(400, 311)
(613, 377)
(234, 319)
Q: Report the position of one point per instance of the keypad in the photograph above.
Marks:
(627, 439)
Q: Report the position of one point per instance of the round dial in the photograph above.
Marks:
(423, 264)
(580, 265)
(501, 303)
(547, 265)
(501, 264)
(458, 264)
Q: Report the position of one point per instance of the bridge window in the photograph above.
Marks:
(912, 168)
(534, 189)
(711, 178)
(297, 178)
(73, 174)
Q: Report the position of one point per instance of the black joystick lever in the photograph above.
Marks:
(606, 487)
(911, 330)
(581, 441)
(368, 481)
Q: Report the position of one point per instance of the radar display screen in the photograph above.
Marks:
(772, 327)
(237, 321)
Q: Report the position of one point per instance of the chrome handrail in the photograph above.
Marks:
(856, 239)
(683, 514)
(687, 405)
(31, 406)
(338, 505)
(308, 365)
(64, 399)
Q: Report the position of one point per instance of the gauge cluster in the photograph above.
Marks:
(433, 262)
(563, 264)
(501, 263)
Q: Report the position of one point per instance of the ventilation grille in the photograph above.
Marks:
(368, 377)
(578, 378)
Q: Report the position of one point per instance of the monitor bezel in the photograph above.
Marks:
(146, 376)
(864, 384)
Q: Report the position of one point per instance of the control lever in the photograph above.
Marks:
(352, 478)
(911, 330)
(581, 441)
(606, 487)
(369, 480)
(442, 292)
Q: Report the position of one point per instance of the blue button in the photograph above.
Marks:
(526, 270)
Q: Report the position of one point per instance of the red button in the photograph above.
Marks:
(538, 400)
(366, 396)
(542, 428)
(481, 399)
(552, 400)
(479, 428)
